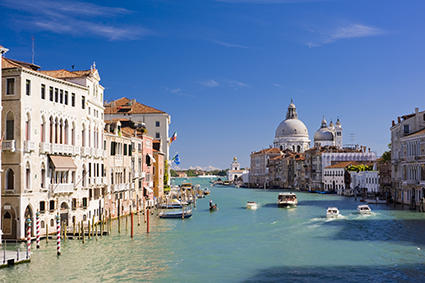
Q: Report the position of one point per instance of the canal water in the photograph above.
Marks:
(238, 245)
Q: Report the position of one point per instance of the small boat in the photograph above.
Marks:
(176, 214)
(364, 209)
(251, 205)
(332, 212)
(213, 207)
(287, 200)
(207, 192)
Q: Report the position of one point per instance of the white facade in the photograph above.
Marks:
(2, 51)
(333, 157)
(333, 180)
(291, 133)
(365, 180)
(48, 116)
(235, 170)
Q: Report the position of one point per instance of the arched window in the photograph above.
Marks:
(73, 134)
(83, 136)
(61, 131)
(27, 176)
(66, 132)
(10, 126)
(43, 130)
(10, 179)
(51, 130)
(56, 130)
(28, 127)
(298, 148)
(43, 176)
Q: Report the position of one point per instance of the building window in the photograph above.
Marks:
(10, 179)
(43, 91)
(84, 202)
(61, 96)
(83, 102)
(51, 94)
(10, 86)
(43, 178)
(73, 99)
(56, 95)
(157, 136)
(52, 205)
(406, 129)
(10, 126)
(52, 222)
(74, 204)
(125, 149)
(28, 128)
(28, 87)
(42, 206)
(66, 98)
(157, 124)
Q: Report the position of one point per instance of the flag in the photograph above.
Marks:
(176, 159)
(173, 137)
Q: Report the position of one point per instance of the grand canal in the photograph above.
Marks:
(235, 244)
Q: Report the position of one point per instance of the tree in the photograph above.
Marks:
(166, 177)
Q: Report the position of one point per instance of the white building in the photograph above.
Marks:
(53, 156)
(408, 158)
(156, 121)
(235, 171)
(334, 177)
(365, 181)
(2, 51)
(291, 133)
(329, 135)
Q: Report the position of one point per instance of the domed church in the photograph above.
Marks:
(292, 133)
(329, 135)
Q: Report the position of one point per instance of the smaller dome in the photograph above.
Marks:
(323, 134)
(331, 125)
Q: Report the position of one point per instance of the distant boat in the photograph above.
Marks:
(287, 200)
(332, 212)
(206, 192)
(207, 176)
(251, 205)
(175, 214)
(364, 209)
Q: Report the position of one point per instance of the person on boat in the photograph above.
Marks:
(211, 203)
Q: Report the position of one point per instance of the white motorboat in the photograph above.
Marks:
(332, 212)
(364, 209)
(251, 205)
(287, 200)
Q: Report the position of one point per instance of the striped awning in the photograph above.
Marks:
(62, 163)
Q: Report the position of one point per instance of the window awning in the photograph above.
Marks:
(62, 163)
(153, 159)
(149, 190)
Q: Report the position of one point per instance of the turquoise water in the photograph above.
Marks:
(238, 245)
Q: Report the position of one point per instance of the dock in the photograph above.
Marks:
(10, 257)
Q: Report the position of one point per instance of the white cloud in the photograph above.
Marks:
(237, 84)
(210, 83)
(277, 85)
(346, 32)
(227, 44)
(73, 17)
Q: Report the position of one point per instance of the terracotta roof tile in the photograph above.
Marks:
(65, 74)
(125, 105)
(10, 63)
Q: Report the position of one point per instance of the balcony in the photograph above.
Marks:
(9, 145)
(85, 151)
(120, 187)
(99, 180)
(29, 146)
(68, 149)
(57, 148)
(45, 147)
(76, 150)
(100, 152)
(62, 188)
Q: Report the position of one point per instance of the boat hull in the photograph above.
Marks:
(175, 215)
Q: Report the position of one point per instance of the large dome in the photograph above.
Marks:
(291, 128)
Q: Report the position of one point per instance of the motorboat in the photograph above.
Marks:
(364, 209)
(213, 207)
(176, 214)
(332, 212)
(207, 192)
(287, 200)
(251, 205)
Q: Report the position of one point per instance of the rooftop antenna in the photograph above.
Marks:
(33, 48)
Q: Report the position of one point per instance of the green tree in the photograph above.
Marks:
(166, 177)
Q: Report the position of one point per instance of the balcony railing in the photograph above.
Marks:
(85, 151)
(68, 149)
(45, 147)
(9, 145)
(29, 146)
(120, 187)
(76, 150)
(62, 188)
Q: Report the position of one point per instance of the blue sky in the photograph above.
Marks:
(226, 69)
